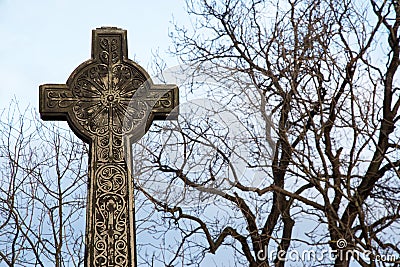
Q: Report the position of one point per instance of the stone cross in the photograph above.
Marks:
(109, 102)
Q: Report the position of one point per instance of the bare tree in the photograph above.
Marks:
(314, 88)
(43, 192)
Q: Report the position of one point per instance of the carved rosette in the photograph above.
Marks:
(105, 90)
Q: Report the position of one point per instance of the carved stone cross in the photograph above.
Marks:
(109, 101)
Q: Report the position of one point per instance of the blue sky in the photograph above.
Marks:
(43, 41)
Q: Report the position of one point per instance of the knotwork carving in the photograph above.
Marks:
(111, 216)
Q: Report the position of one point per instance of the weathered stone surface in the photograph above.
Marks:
(109, 101)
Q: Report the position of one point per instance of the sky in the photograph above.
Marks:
(43, 41)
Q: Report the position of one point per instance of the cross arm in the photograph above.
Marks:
(166, 106)
(55, 101)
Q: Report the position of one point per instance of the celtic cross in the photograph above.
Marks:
(109, 102)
